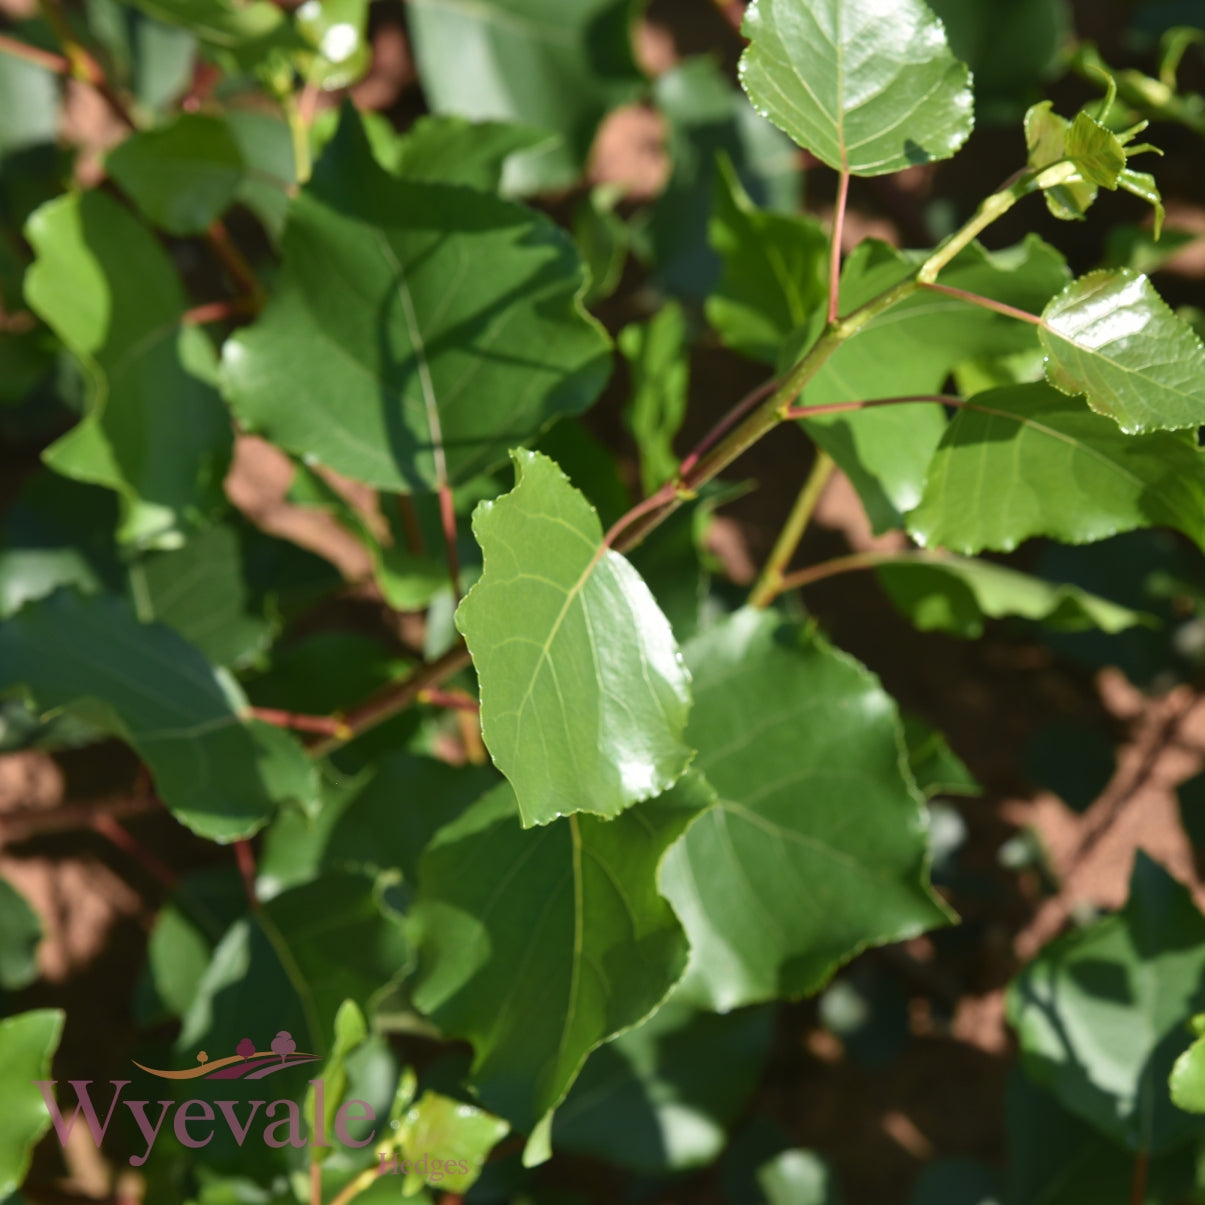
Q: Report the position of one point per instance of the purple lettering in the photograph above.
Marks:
(292, 1121)
(342, 1117)
(185, 1114)
(226, 1108)
(138, 1109)
(83, 1105)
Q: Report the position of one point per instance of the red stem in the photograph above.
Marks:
(840, 407)
(834, 271)
(57, 63)
(749, 402)
(986, 303)
(411, 526)
(1138, 1185)
(663, 497)
(244, 856)
(324, 725)
(120, 836)
(456, 700)
(220, 311)
(236, 264)
(447, 516)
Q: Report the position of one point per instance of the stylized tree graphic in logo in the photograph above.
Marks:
(245, 1063)
(283, 1044)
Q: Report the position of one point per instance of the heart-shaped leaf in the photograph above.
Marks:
(584, 696)
(1111, 337)
(575, 905)
(869, 86)
(816, 846)
(418, 330)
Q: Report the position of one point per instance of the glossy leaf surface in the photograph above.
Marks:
(869, 86)
(584, 696)
(1111, 337)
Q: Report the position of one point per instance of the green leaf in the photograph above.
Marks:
(657, 352)
(1110, 336)
(817, 824)
(1046, 135)
(27, 1045)
(708, 119)
(602, 237)
(339, 31)
(229, 589)
(219, 774)
(184, 175)
(1028, 461)
(293, 963)
(1142, 184)
(350, 1031)
(538, 946)
(458, 1131)
(911, 349)
(584, 696)
(950, 594)
(443, 149)
(1055, 1158)
(775, 271)
(112, 295)
(57, 532)
(937, 769)
(29, 105)
(1095, 150)
(1100, 1012)
(866, 89)
(251, 33)
(559, 67)
(270, 170)
(418, 329)
(661, 1097)
(1011, 47)
(20, 933)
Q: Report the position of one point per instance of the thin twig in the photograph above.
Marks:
(1138, 1185)
(734, 416)
(834, 271)
(411, 527)
(769, 584)
(81, 65)
(362, 1183)
(20, 826)
(57, 63)
(394, 698)
(220, 311)
(324, 725)
(454, 700)
(447, 518)
(840, 564)
(117, 834)
(986, 303)
(236, 265)
(244, 856)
